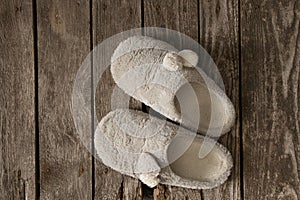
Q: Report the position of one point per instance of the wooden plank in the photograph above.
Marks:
(219, 35)
(270, 97)
(163, 192)
(180, 15)
(110, 18)
(17, 115)
(63, 43)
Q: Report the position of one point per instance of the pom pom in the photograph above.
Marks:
(172, 61)
(190, 58)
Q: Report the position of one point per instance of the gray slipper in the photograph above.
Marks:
(156, 151)
(157, 74)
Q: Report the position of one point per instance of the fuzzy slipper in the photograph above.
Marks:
(157, 74)
(155, 151)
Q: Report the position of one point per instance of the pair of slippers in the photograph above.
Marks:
(159, 151)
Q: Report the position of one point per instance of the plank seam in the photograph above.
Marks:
(121, 189)
(240, 102)
(92, 99)
(142, 13)
(145, 189)
(198, 18)
(198, 26)
(36, 98)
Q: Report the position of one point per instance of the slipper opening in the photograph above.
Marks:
(200, 107)
(190, 166)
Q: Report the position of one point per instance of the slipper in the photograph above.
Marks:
(157, 151)
(165, 79)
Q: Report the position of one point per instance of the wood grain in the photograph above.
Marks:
(17, 114)
(163, 192)
(267, 80)
(219, 35)
(270, 98)
(63, 43)
(180, 15)
(110, 18)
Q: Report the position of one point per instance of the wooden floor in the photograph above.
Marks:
(255, 44)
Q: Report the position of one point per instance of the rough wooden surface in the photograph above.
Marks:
(219, 35)
(17, 107)
(109, 18)
(63, 43)
(264, 87)
(181, 16)
(270, 99)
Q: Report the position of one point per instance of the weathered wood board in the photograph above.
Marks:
(110, 18)
(219, 35)
(181, 16)
(17, 101)
(270, 98)
(63, 43)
